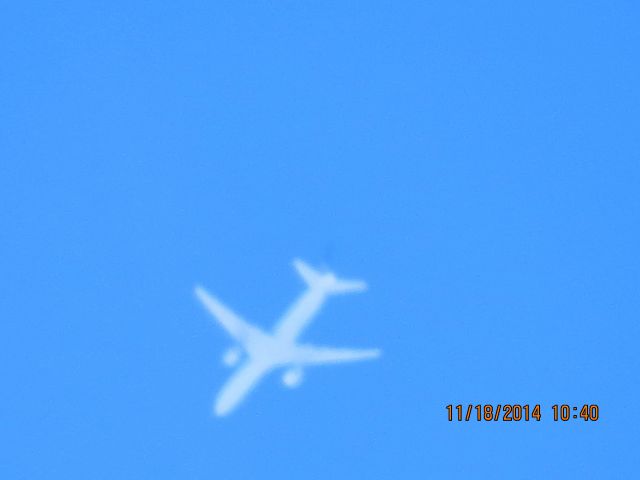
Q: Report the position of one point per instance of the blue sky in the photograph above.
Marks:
(476, 164)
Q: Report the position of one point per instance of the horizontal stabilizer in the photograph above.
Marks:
(327, 281)
(348, 286)
(308, 274)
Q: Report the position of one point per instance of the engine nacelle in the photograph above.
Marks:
(231, 357)
(293, 377)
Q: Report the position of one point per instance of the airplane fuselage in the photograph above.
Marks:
(297, 318)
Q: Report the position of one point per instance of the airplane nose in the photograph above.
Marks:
(221, 409)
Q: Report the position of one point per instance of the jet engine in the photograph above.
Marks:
(292, 377)
(231, 357)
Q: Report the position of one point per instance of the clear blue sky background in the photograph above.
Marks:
(476, 163)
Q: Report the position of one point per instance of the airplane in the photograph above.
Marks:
(266, 351)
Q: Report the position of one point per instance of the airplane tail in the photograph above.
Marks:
(327, 281)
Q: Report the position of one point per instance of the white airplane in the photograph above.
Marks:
(267, 351)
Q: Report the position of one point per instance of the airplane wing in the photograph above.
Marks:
(240, 384)
(239, 329)
(310, 355)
